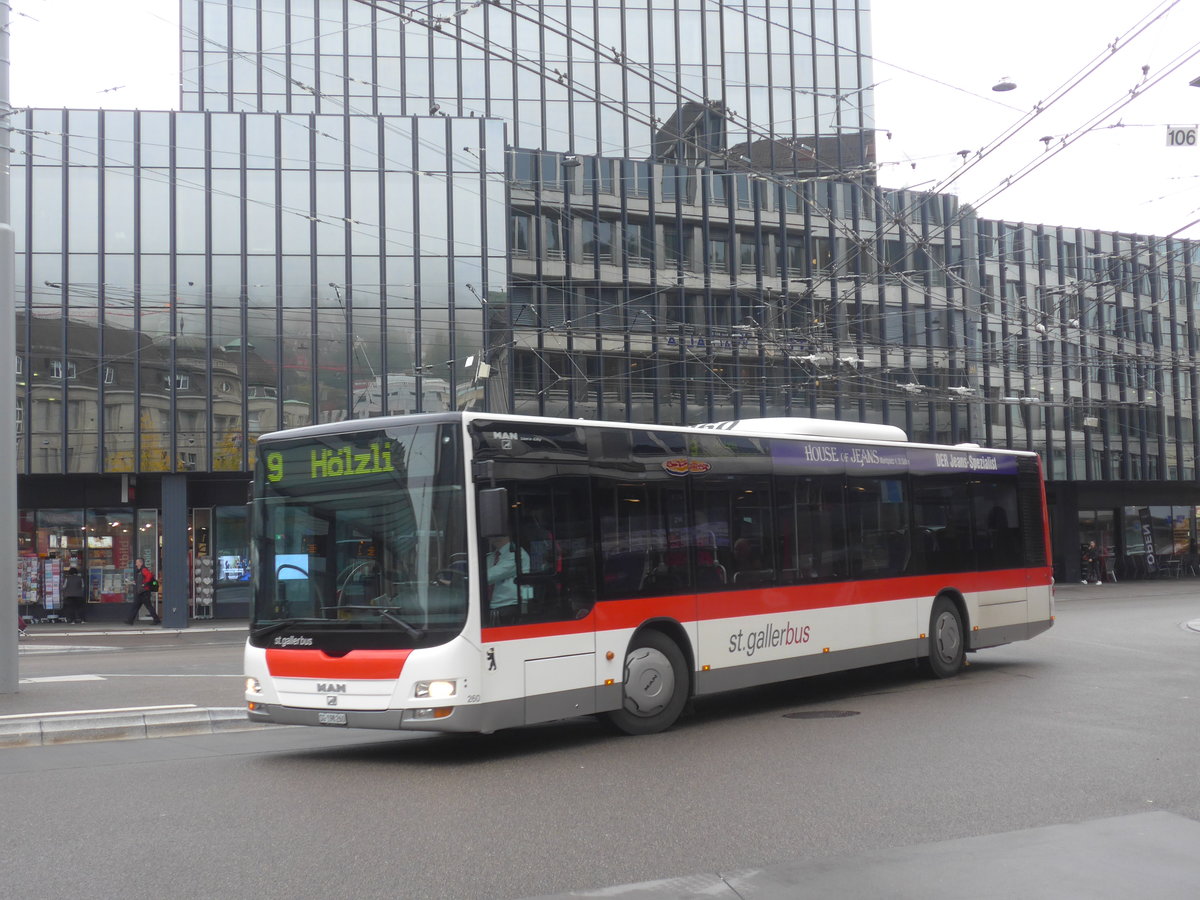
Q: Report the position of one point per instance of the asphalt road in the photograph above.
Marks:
(101, 667)
(1097, 718)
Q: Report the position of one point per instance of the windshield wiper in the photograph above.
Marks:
(415, 633)
(267, 630)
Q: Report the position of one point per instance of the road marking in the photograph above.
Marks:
(56, 648)
(171, 675)
(92, 712)
(51, 679)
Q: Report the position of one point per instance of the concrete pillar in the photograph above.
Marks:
(174, 576)
(9, 677)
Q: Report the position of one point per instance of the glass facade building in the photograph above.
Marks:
(622, 210)
(188, 281)
(786, 82)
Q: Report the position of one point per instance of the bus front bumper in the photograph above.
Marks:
(483, 717)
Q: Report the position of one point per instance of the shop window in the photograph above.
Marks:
(232, 546)
(109, 554)
(55, 543)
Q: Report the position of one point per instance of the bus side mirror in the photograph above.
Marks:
(493, 512)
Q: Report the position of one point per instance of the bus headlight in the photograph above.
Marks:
(436, 690)
(252, 686)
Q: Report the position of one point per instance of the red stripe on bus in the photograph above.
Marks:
(615, 614)
(372, 664)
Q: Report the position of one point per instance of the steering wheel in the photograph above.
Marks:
(449, 577)
(316, 588)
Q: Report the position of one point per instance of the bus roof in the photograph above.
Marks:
(795, 426)
(801, 427)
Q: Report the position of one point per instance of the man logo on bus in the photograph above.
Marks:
(323, 688)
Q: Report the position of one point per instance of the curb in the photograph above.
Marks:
(47, 729)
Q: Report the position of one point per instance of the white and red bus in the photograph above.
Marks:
(471, 571)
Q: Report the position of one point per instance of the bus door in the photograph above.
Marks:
(539, 593)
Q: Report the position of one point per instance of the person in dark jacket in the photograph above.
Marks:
(73, 594)
(142, 578)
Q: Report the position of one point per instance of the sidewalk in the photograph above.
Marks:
(58, 702)
(1148, 854)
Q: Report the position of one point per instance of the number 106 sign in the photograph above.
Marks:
(1181, 135)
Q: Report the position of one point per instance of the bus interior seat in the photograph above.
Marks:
(710, 576)
(624, 572)
(753, 577)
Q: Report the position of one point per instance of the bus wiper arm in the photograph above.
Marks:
(415, 633)
(274, 627)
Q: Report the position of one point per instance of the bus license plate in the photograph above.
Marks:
(331, 718)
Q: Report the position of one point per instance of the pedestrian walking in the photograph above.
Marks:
(73, 596)
(144, 584)
(1090, 564)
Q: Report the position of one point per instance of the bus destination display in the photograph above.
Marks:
(309, 463)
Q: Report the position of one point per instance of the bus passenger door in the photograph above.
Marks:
(552, 612)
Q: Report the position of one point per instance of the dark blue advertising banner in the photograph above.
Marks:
(821, 457)
(953, 459)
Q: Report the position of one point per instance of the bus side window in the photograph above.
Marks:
(553, 525)
(995, 519)
(942, 517)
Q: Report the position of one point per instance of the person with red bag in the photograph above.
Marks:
(144, 584)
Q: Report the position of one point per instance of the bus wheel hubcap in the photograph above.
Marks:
(947, 636)
(649, 681)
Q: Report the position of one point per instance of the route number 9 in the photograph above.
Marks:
(274, 467)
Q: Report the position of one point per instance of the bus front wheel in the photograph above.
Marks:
(655, 687)
(947, 641)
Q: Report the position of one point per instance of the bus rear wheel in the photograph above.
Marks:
(947, 641)
(655, 687)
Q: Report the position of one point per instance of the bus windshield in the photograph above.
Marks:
(359, 539)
